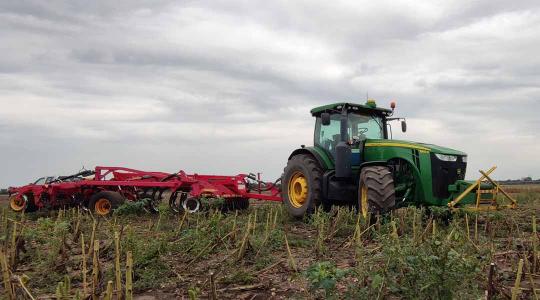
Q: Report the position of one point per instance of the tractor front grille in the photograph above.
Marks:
(445, 173)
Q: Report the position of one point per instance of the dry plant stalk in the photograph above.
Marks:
(517, 284)
(467, 225)
(233, 231)
(254, 227)
(291, 258)
(129, 276)
(414, 224)
(267, 226)
(395, 234)
(5, 221)
(109, 291)
(8, 288)
(245, 240)
(476, 228)
(274, 224)
(22, 281)
(76, 232)
(13, 244)
(84, 271)
(118, 273)
(535, 245)
(92, 237)
(182, 221)
(95, 271)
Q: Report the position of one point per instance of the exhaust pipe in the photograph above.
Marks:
(343, 150)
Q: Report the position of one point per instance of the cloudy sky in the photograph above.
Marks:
(226, 86)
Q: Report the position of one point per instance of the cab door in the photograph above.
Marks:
(328, 136)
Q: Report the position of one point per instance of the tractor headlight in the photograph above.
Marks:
(446, 157)
(464, 159)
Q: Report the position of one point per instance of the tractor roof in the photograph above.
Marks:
(370, 106)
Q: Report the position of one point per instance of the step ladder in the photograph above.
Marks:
(483, 203)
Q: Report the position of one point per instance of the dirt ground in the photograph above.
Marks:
(261, 253)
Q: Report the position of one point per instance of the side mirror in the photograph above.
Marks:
(325, 119)
(403, 126)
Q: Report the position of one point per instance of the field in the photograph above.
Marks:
(260, 253)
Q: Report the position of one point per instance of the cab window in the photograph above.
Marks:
(327, 137)
(363, 127)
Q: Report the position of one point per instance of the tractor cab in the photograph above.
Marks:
(361, 122)
(341, 130)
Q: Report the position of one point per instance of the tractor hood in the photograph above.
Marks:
(415, 145)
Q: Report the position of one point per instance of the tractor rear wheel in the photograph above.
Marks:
(376, 193)
(301, 185)
(104, 202)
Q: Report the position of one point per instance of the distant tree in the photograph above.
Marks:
(3, 191)
(528, 178)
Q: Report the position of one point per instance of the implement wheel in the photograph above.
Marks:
(22, 203)
(17, 203)
(376, 193)
(301, 190)
(176, 199)
(104, 202)
(191, 205)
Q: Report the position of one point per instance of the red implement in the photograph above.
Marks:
(106, 187)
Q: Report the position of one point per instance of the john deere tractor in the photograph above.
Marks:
(354, 160)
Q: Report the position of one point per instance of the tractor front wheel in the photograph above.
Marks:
(301, 185)
(104, 202)
(376, 193)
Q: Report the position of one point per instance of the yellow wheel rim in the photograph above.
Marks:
(103, 207)
(298, 189)
(364, 201)
(17, 203)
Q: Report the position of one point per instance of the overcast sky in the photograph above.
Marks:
(226, 86)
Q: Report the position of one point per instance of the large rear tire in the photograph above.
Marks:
(376, 192)
(104, 202)
(302, 185)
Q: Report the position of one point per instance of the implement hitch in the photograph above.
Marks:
(484, 203)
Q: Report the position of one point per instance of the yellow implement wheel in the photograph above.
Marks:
(17, 204)
(364, 201)
(103, 207)
(103, 203)
(298, 189)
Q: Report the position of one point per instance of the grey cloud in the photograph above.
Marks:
(213, 86)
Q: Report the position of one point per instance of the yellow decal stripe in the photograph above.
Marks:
(397, 145)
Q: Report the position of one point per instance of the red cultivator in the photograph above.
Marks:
(105, 188)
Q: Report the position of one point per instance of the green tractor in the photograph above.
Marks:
(355, 161)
